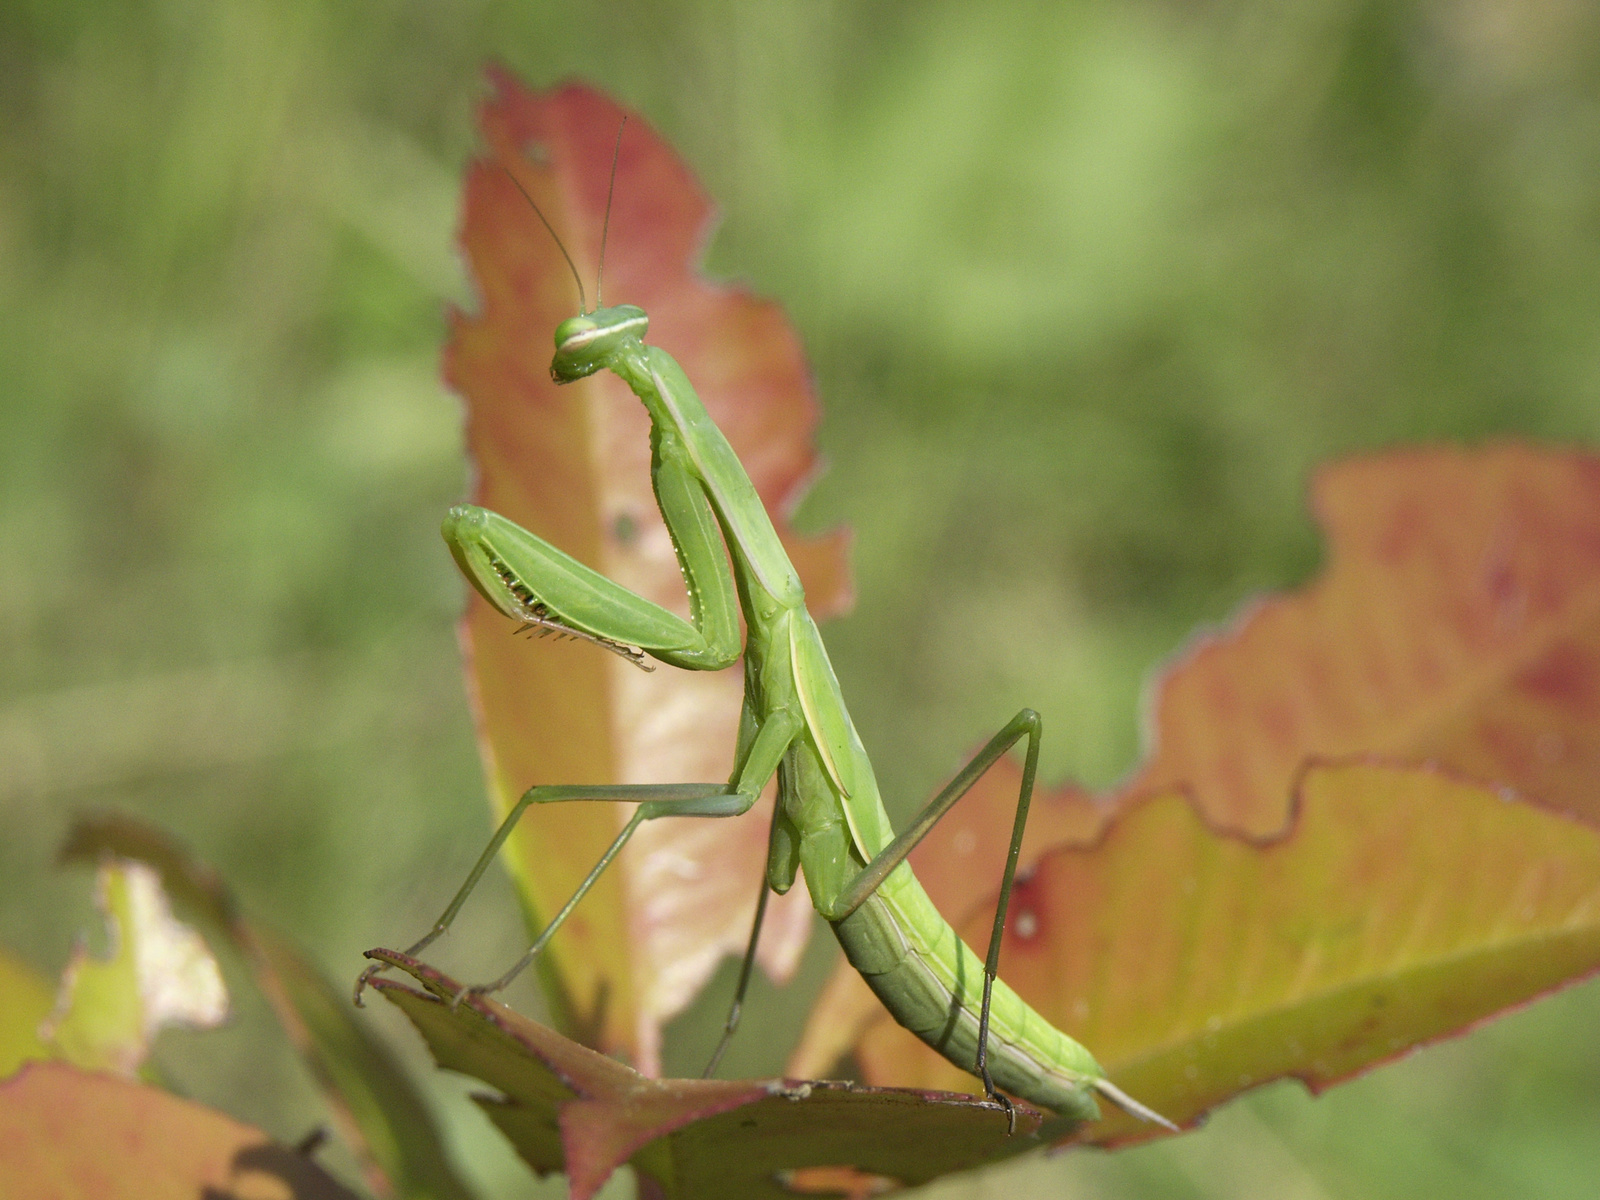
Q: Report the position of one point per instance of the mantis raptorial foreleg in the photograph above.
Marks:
(528, 579)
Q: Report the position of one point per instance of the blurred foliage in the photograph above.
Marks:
(1088, 290)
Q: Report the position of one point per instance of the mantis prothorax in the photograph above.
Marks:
(829, 818)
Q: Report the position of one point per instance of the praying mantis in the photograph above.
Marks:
(829, 819)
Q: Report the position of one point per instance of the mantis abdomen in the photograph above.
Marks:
(932, 982)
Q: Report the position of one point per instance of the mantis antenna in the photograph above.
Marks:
(583, 304)
(605, 228)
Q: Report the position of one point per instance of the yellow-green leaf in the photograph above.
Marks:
(371, 1100)
(25, 1001)
(158, 973)
(1400, 905)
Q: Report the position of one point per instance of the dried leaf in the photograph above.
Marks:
(1457, 622)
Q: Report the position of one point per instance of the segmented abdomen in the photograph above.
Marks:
(932, 983)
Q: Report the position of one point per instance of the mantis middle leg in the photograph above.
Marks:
(655, 800)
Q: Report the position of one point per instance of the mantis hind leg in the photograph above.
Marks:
(1025, 723)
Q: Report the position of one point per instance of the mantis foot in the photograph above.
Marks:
(1011, 1110)
(995, 1097)
(477, 989)
(365, 978)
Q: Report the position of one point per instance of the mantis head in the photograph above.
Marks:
(584, 343)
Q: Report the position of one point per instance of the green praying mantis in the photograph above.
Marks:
(829, 819)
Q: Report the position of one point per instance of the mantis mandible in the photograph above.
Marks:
(829, 818)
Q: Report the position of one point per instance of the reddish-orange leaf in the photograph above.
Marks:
(1457, 622)
(572, 464)
(1401, 906)
(73, 1135)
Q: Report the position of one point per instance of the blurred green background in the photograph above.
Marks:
(1088, 288)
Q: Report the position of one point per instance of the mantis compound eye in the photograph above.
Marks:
(587, 342)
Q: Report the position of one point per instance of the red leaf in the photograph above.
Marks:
(572, 464)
